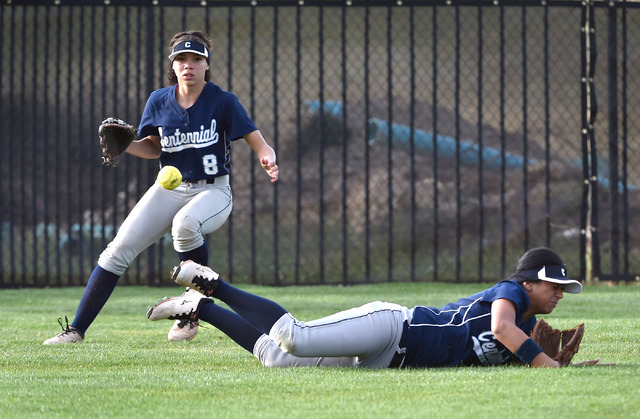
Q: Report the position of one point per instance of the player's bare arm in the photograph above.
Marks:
(146, 148)
(265, 153)
(503, 327)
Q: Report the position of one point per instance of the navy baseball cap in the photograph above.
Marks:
(556, 274)
(189, 46)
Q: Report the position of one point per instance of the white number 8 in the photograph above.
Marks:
(210, 164)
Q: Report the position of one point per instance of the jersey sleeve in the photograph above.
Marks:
(147, 126)
(239, 122)
(509, 290)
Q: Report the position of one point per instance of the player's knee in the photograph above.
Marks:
(186, 233)
(271, 355)
(283, 332)
(116, 257)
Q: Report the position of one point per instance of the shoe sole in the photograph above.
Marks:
(200, 283)
(190, 317)
(150, 309)
(46, 342)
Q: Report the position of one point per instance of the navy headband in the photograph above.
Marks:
(547, 271)
(192, 46)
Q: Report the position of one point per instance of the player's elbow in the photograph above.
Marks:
(154, 151)
(148, 147)
(500, 328)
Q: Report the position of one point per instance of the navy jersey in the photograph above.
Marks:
(196, 140)
(460, 332)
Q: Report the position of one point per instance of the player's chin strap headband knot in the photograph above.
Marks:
(192, 46)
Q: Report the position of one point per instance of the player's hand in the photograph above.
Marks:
(271, 168)
(591, 362)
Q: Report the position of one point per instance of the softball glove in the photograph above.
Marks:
(115, 136)
(560, 345)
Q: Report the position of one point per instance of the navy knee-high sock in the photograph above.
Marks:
(260, 312)
(199, 255)
(99, 288)
(231, 324)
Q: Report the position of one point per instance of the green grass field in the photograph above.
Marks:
(126, 367)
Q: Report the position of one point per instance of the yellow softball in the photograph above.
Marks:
(169, 177)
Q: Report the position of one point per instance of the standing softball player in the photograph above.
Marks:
(189, 125)
(487, 328)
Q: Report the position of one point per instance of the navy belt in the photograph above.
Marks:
(398, 359)
(202, 181)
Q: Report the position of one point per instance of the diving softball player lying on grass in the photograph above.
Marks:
(487, 328)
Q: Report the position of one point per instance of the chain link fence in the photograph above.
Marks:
(417, 141)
